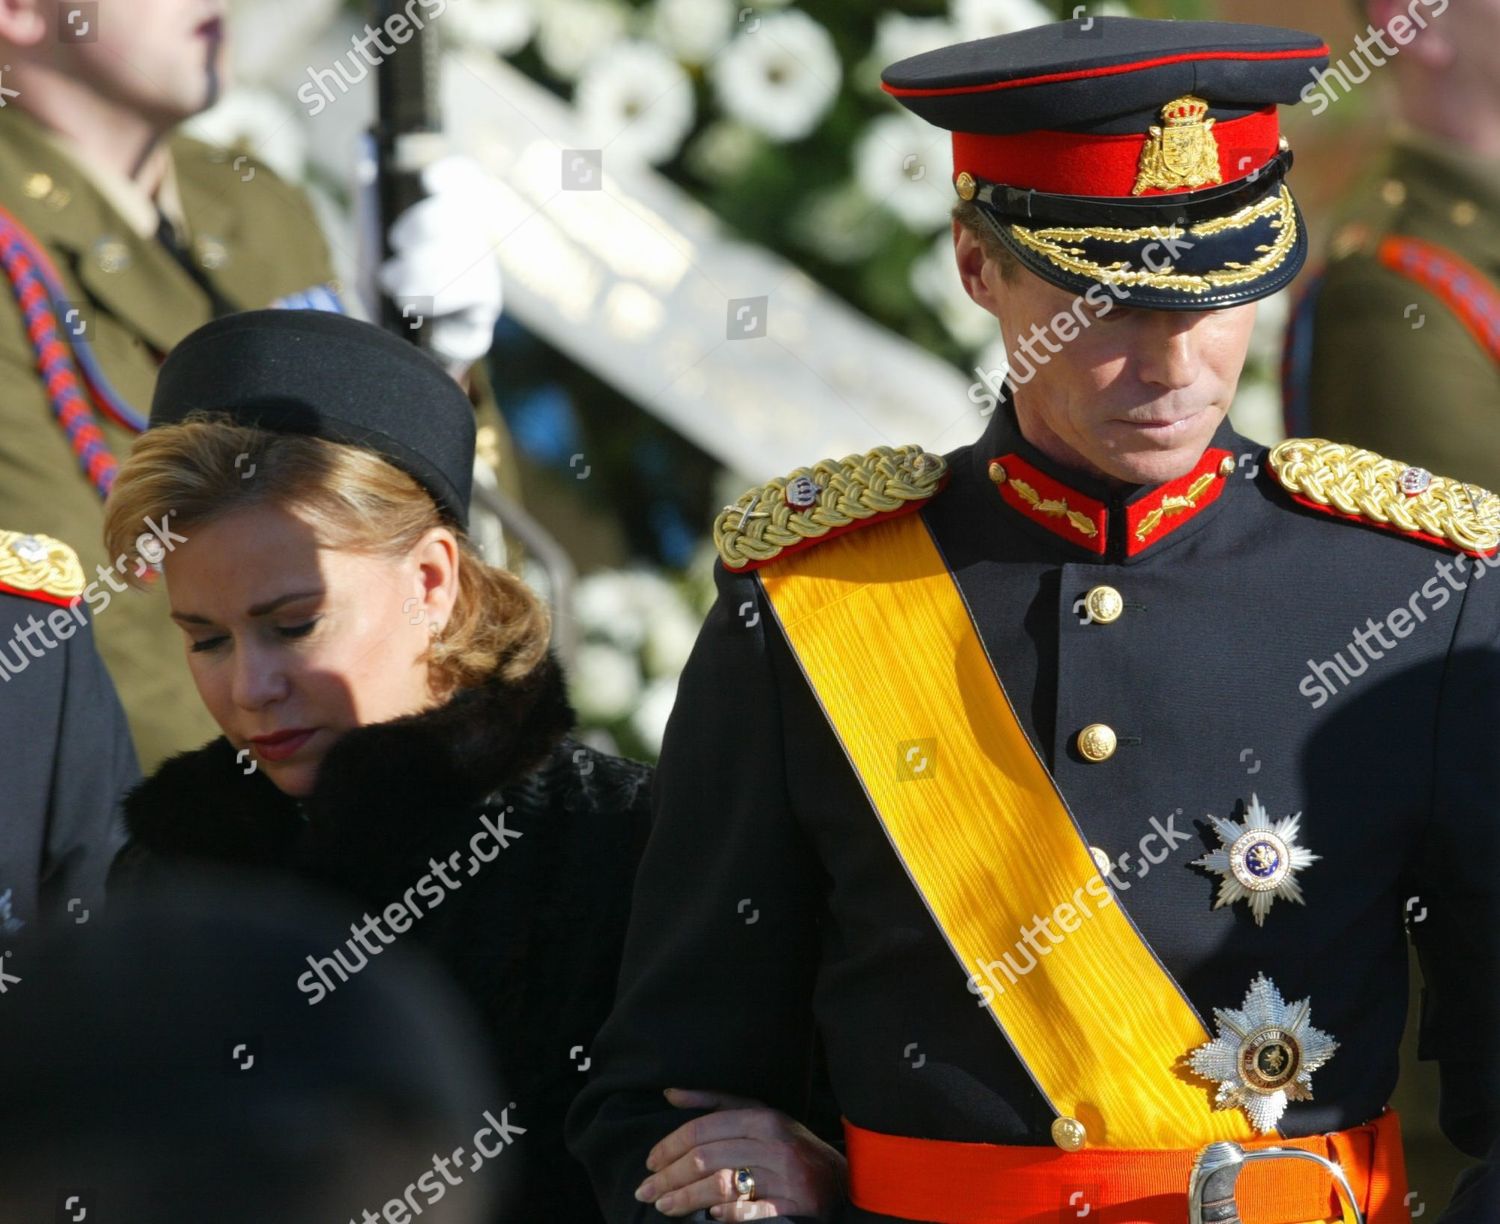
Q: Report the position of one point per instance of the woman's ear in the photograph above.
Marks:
(436, 560)
(976, 270)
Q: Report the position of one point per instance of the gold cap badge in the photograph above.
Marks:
(1183, 153)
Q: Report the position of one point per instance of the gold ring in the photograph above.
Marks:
(744, 1185)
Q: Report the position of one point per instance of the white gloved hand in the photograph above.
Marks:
(442, 251)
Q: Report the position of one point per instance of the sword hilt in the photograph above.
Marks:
(1216, 1172)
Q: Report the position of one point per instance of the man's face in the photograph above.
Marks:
(1135, 395)
(161, 58)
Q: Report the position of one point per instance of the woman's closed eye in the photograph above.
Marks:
(286, 631)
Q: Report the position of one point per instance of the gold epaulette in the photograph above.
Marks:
(829, 497)
(1360, 484)
(39, 566)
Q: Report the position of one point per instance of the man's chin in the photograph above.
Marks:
(1151, 465)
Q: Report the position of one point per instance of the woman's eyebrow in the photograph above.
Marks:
(260, 609)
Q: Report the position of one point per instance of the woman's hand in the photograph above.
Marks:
(795, 1172)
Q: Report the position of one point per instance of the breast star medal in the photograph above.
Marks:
(1259, 860)
(1264, 1055)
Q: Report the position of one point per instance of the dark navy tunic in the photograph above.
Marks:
(771, 907)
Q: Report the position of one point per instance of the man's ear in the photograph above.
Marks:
(979, 274)
(22, 23)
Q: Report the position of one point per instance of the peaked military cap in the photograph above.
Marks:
(1144, 156)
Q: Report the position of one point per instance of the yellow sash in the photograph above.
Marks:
(884, 637)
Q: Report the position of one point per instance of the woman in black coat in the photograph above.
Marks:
(395, 729)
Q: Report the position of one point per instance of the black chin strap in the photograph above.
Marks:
(1039, 209)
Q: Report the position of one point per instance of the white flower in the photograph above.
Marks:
(1270, 327)
(501, 26)
(648, 593)
(606, 683)
(650, 718)
(693, 30)
(724, 149)
(934, 279)
(906, 166)
(899, 37)
(986, 18)
(780, 75)
(635, 99)
(1256, 411)
(262, 122)
(572, 32)
(669, 640)
(605, 609)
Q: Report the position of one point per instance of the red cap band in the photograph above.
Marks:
(1079, 163)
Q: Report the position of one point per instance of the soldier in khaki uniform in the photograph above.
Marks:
(123, 237)
(1397, 345)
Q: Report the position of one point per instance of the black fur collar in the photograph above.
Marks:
(383, 788)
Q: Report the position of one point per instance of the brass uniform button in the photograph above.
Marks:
(997, 472)
(965, 185)
(212, 253)
(1097, 742)
(1226, 466)
(1393, 192)
(1068, 1134)
(1465, 213)
(1104, 604)
(113, 255)
(37, 185)
(1101, 860)
(1349, 239)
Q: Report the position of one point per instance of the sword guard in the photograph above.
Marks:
(1217, 1169)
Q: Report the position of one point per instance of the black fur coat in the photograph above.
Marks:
(534, 940)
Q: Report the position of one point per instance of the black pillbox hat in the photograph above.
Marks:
(328, 376)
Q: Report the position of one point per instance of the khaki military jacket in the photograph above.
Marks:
(1393, 367)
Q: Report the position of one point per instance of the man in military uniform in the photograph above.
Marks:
(65, 753)
(119, 237)
(1042, 780)
(1396, 345)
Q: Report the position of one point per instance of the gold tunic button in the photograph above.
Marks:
(1465, 213)
(1097, 742)
(1393, 192)
(38, 185)
(965, 185)
(1226, 466)
(1068, 1134)
(1101, 860)
(1104, 604)
(212, 253)
(113, 255)
(997, 472)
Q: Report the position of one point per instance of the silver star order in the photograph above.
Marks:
(1264, 1055)
(1258, 859)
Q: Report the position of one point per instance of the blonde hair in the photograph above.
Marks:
(209, 466)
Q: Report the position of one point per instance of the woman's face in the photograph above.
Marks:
(291, 644)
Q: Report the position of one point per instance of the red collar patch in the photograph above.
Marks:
(1084, 520)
